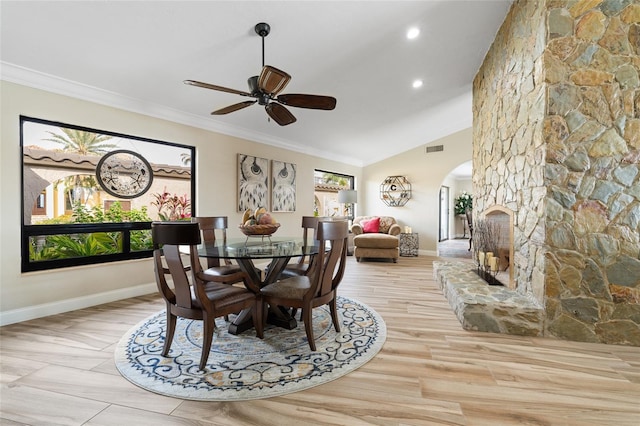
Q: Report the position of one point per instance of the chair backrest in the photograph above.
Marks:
(469, 214)
(208, 226)
(329, 268)
(167, 238)
(308, 223)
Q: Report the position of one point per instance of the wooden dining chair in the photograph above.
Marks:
(304, 263)
(319, 286)
(196, 299)
(223, 272)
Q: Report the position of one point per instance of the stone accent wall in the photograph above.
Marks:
(508, 149)
(592, 132)
(563, 128)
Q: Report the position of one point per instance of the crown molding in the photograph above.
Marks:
(50, 83)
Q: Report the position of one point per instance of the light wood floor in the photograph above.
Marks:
(60, 370)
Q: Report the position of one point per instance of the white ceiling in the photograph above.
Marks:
(136, 54)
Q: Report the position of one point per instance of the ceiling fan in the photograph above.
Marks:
(266, 87)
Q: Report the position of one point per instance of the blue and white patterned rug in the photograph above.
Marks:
(245, 367)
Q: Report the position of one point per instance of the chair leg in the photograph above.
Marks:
(308, 327)
(333, 307)
(208, 327)
(171, 328)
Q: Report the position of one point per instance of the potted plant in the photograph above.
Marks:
(463, 203)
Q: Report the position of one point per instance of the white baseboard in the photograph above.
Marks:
(53, 308)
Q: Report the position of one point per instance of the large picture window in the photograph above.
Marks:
(89, 196)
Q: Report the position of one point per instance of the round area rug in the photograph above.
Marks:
(245, 367)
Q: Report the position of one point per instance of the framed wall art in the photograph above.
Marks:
(283, 186)
(253, 182)
(124, 174)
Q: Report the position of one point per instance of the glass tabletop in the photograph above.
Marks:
(257, 248)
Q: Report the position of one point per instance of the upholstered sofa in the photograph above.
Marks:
(373, 241)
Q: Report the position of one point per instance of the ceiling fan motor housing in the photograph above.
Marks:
(253, 85)
(262, 97)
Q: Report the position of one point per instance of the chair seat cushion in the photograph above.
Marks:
(290, 288)
(382, 241)
(223, 270)
(293, 271)
(223, 295)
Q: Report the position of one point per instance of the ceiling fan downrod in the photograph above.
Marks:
(262, 29)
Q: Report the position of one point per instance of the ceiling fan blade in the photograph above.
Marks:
(272, 80)
(308, 101)
(280, 114)
(234, 107)
(214, 87)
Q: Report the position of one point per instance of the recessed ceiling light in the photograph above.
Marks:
(417, 83)
(413, 33)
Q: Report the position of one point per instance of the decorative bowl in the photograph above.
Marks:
(251, 230)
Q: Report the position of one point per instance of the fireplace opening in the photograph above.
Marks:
(493, 246)
(492, 278)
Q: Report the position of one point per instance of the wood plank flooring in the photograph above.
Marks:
(60, 371)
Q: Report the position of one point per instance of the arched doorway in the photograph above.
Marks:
(453, 233)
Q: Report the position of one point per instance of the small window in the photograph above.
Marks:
(40, 207)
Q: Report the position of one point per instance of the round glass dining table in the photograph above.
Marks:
(245, 251)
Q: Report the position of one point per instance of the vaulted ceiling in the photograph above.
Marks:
(136, 54)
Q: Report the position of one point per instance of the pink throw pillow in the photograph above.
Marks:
(371, 226)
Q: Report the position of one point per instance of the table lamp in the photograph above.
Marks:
(348, 197)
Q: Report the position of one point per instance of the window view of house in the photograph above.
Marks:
(327, 185)
(67, 182)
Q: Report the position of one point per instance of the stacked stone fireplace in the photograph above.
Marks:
(556, 128)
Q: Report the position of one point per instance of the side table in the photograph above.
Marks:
(408, 244)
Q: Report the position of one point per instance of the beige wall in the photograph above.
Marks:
(426, 172)
(24, 296)
(35, 294)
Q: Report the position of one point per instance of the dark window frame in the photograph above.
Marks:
(28, 230)
(350, 178)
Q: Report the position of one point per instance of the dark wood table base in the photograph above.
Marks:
(277, 315)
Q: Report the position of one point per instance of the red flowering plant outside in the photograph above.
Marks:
(171, 206)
